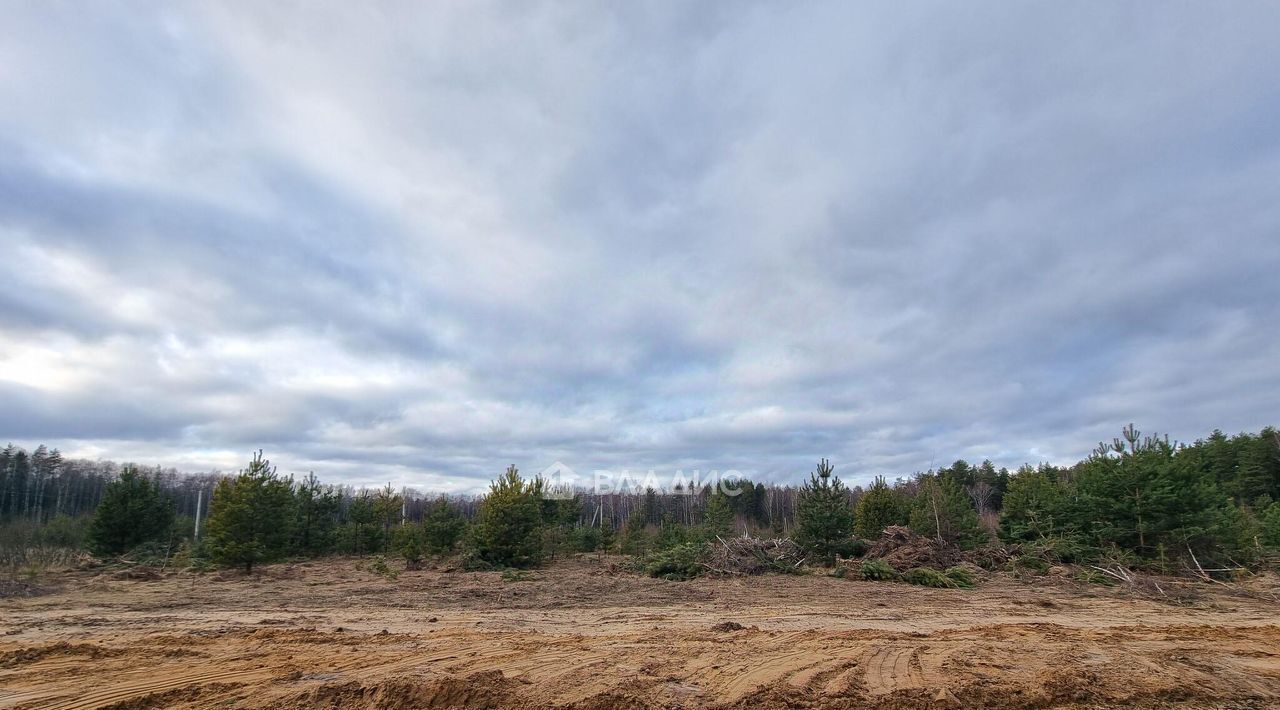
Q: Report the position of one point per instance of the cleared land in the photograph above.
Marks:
(584, 634)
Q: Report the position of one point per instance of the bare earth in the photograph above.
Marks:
(583, 634)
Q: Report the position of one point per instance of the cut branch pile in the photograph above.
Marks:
(749, 555)
(905, 549)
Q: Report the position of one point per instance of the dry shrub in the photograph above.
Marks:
(34, 561)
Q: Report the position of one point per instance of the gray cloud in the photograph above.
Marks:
(417, 243)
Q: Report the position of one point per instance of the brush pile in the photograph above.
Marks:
(749, 555)
(904, 548)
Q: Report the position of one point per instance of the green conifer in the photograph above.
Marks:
(508, 527)
(133, 511)
(878, 508)
(251, 516)
(824, 518)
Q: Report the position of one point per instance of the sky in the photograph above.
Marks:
(417, 242)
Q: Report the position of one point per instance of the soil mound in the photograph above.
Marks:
(32, 654)
(138, 573)
(487, 689)
(726, 626)
(14, 588)
(191, 695)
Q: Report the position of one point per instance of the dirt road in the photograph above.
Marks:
(332, 634)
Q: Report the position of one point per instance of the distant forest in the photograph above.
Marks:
(39, 485)
(1143, 495)
(36, 486)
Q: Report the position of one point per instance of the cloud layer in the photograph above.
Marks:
(417, 242)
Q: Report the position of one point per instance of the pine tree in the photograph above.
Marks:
(1149, 498)
(361, 533)
(1270, 525)
(53, 474)
(717, 517)
(824, 518)
(758, 512)
(1257, 471)
(442, 528)
(251, 516)
(1033, 506)
(1217, 457)
(569, 511)
(878, 508)
(19, 469)
(31, 506)
(316, 517)
(559, 515)
(508, 527)
(960, 473)
(389, 509)
(649, 506)
(7, 456)
(408, 543)
(670, 533)
(607, 536)
(635, 538)
(941, 510)
(585, 539)
(133, 511)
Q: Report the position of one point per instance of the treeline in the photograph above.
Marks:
(1143, 498)
(40, 485)
(260, 515)
(1138, 498)
(1158, 501)
(40, 490)
(1138, 501)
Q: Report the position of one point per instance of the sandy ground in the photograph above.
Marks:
(582, 634)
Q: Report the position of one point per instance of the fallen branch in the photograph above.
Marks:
(1119, 573)
(1199, 571)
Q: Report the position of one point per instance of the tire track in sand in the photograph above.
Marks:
(134, 689)
(770, 671)
(891, 668)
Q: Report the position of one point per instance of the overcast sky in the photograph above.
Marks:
(416, 243)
